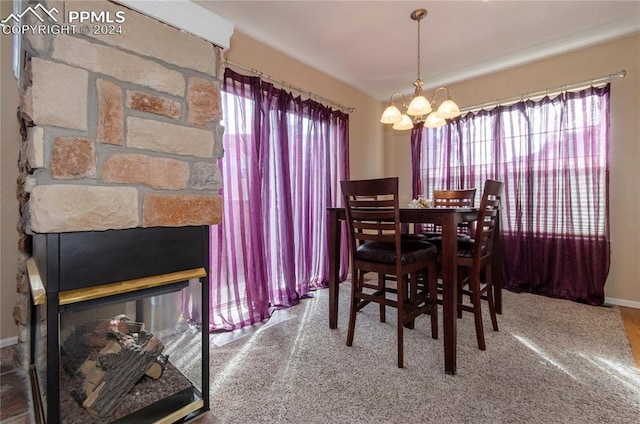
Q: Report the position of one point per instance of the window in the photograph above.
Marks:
(553, 156)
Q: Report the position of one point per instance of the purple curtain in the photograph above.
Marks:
(553, 156)
(284, 158)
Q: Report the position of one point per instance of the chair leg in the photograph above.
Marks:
(461, 278)
(412, 290)
(356, 287)
(474, 285)
(401, 313)
(382, 283)
(491, 298)
(432, 281)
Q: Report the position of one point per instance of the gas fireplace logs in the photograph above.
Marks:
(107, 358)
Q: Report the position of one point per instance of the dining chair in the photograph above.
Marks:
(474, 262)
(373, 220)
(449, 199)
(462, 198)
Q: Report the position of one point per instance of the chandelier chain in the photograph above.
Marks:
(419, 78)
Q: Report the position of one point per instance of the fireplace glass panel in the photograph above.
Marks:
(131, 360)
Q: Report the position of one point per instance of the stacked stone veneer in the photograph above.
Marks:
(119, 131)
(123, 129)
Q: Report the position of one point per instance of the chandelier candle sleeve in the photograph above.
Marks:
(420, 109)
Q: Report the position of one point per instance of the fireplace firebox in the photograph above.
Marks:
(111, 341)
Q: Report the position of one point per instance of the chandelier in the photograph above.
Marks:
(420, 109)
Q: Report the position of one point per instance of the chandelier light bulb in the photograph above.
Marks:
(419, 106)
(448, 109)
(391, 115)
(434, 121)
(404, 124)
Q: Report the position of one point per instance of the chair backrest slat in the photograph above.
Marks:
(372, 214)
(383, 226)
(454, 198)
(368, 202)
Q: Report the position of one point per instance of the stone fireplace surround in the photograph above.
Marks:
(122, 130)
(119, 131)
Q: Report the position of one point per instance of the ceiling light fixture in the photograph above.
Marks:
(420, 109)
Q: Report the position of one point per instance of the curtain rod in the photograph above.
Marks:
(290, 86)
(548, 92)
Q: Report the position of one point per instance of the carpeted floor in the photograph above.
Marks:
(553, 361)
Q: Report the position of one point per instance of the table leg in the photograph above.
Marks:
(450, 292)
(334, 267)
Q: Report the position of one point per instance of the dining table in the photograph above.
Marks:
(448, 219)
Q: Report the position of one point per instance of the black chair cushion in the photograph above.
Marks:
(432, 234)
(466, 250)
(465, 246)
(413, 237)
(412, 251)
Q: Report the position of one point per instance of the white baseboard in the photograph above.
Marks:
(622, 302)
(8, 341)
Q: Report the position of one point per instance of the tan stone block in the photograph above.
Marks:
(26, 105)
(203, 101)
(39, 43)
(110, 113)
(22, 359)
(22, 282)
(118, 64)
(35, 147)
(160, 210)
(59, 95)
(169, 138)
(58, 208)
(73, 158)
(154, 104)
(24, 243)
(149, 37)
(23, 158)
(29, 183)
(26, 75)
(206, 176)
(21, 309)
(220, 62)
(159, 173)
(22, 262)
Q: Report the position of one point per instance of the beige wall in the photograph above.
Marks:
(623, 284)
(9, 148)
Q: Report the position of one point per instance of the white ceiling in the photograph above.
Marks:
(372, 45)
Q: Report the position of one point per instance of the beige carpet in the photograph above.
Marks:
(553, 361)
